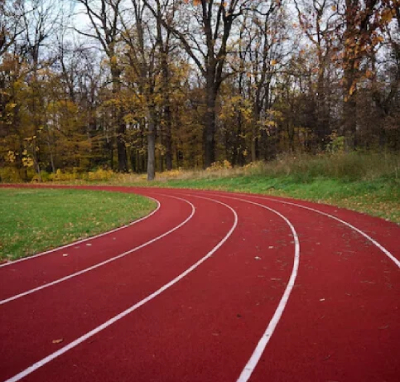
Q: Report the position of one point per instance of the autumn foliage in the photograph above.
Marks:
(152, 85)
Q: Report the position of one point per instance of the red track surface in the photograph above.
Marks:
(341, 321)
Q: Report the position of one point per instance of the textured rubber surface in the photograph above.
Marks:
(341, 321)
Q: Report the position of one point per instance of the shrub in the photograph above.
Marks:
(10, 175)
(100, 174)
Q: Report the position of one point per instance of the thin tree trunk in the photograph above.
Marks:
(210, 124)
(119, 122)
(151, 145)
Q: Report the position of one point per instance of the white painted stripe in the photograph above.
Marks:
(83, 271)
(263, 342)
(86, 239)
(381, 247)
(377, 244)
(86, 336)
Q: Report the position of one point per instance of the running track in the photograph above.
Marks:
(210, 287)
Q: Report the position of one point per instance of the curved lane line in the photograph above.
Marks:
(263, 342)
(30, 291)
(116, 318)
(362, 233)
(86, 239)
(380, 246)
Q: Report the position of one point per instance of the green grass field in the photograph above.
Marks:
(33, 220)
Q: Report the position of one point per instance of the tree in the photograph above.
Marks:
(319, 22)
(105, 21)
(205, 36)
(362, 20)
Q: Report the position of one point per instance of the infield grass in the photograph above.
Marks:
(34, 220)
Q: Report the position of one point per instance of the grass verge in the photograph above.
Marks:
(364, 182)
(379, 198)
(34, 220)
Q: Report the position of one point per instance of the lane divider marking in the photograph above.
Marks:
(380, 246)
(118, 317)
(263, 342)
(86, 239)
(98, 265)
(254, 359)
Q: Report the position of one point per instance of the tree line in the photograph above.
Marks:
(152, 85)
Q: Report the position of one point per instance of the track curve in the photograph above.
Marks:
(215, 286)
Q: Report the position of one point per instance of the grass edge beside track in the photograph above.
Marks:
(379, 198)
(40, 219)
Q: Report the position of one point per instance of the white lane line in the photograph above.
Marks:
(263, 342)
(28, 292)
(380, 246)
(86, 239)
(362, 233)
(83, 338)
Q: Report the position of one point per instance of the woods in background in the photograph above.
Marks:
(152, 85)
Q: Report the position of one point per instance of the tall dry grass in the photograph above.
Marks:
(302, 167)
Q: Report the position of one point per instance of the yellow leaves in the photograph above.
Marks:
(113, 60)
(10, 157)
(274, 62)
(333, 8)
(352, 89)
(221, 165)
(27, 161)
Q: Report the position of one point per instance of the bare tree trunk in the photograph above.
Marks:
(151, 144)
(210, 125)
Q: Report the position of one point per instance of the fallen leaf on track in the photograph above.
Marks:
(58, 341)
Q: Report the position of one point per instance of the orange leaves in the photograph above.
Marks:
(352, 89)
(195, 2)
(369, 73)
(387, 15)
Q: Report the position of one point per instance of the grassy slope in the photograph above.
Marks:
(378, 197)
(367, 183)
(33, 220)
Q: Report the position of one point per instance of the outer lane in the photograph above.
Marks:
(343, 319)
